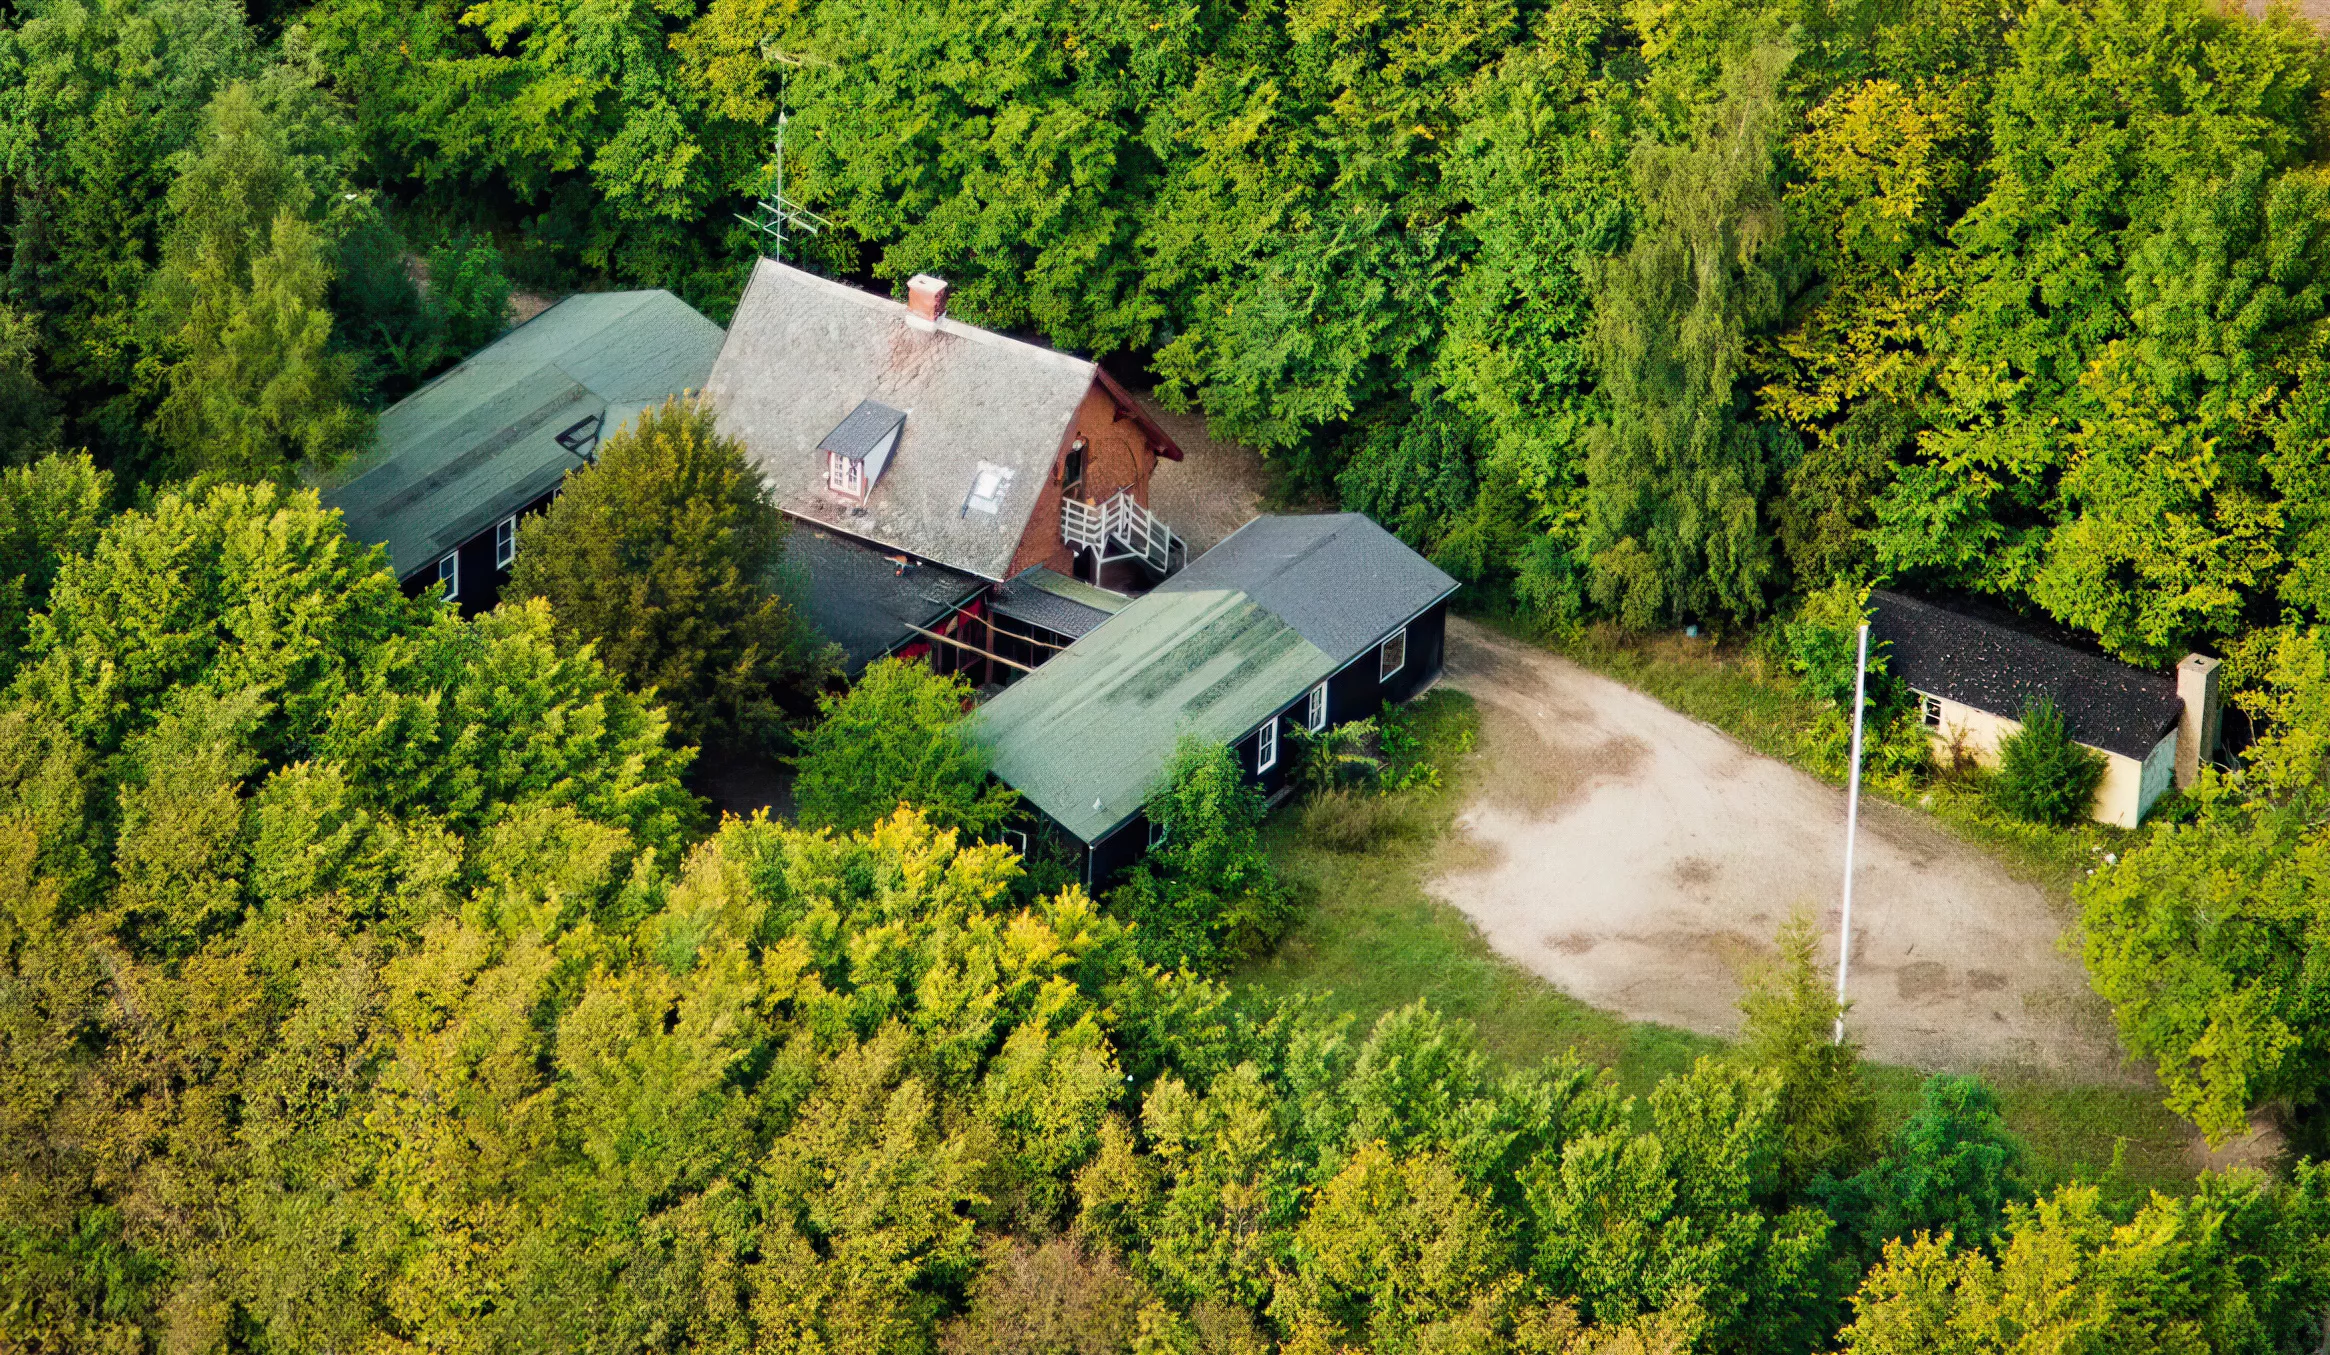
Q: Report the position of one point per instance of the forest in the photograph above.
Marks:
(371, 980)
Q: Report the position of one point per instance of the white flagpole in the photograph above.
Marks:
(1844, 955)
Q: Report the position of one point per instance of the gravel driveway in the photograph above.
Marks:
(1641, 860)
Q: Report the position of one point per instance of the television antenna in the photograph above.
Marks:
(774, 214)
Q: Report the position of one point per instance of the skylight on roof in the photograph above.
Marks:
(988, 488)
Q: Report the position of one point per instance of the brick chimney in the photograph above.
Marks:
(926, 296)
(2196, 729)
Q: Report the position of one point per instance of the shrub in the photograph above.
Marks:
(661, 554)
(1335, 758)
(1823, 642)
(896, 738)
(1791, 1012)
(1207, 893)
(2044, 775)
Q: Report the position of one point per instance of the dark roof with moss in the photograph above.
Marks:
(1342, 582)
(866, 600)
(1995, 668)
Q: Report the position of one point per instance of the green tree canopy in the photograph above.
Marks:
(662, 556)
(896, 737)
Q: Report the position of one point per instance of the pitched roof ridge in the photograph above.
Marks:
(947, 325)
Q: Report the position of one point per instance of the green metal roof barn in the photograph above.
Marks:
(498, 431)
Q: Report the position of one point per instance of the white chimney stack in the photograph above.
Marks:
(926, 296)
(2196, 729)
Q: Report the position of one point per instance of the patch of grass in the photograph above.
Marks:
(1371, 940)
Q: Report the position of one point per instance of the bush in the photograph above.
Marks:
(896, 738)
(1823, 642)
(1791, 1011)
(1336, 758)
(660, 555)
(2044, 775)
(1207, 894)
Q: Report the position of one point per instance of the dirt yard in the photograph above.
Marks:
(1215, 488)
(1642, 861)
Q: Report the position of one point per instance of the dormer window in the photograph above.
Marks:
(859, 447)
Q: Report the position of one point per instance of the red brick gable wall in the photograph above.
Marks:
(1118, 457)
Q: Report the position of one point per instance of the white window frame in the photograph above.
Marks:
(845, 475)
(1266, 747)
(1015, 839)
(1315, 709)
(1386, 664)
(1929, 710)
(506, 541)
(1156, 835)
(449, 574)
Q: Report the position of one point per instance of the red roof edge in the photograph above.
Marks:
(1160, 441)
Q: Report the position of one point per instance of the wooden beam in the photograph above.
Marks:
(960, 644)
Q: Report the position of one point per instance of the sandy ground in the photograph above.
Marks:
(1642, 861)
(1215, 488)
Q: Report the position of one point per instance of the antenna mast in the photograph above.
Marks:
(772, 214)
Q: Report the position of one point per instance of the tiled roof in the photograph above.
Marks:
(803, 352)
(1998, 669)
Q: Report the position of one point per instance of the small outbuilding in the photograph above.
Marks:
(456, 463)
(1291, 622)
(1974, 678)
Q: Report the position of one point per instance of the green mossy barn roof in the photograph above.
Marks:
(481, 441)
(1086, 736)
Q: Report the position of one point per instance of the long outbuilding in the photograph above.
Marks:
(1291, 622)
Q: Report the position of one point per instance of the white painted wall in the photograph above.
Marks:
(2129, 787)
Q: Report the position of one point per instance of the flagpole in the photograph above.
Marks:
(1844, 956)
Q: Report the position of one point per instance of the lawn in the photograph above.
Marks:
(1371, 940)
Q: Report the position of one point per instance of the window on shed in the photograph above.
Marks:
(1929, 710)
(1266, 747)
(449, 574)
(1016, 840)
(506, 541)
(1315, 709)
(845, 474)
(1156, 835)
(1393, 656)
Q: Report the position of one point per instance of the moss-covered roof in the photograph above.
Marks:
(1086, 736)
(481, 441)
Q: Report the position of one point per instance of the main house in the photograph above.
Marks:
(1974, 678)
(956, 493)
(1291, 622)
(460, 460)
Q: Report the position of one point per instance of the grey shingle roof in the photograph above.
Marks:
(865, 601)
(2000, 670)
(862, 430)
(1338, 579)
(803, 352)
(481, 441)
(1044, 597)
